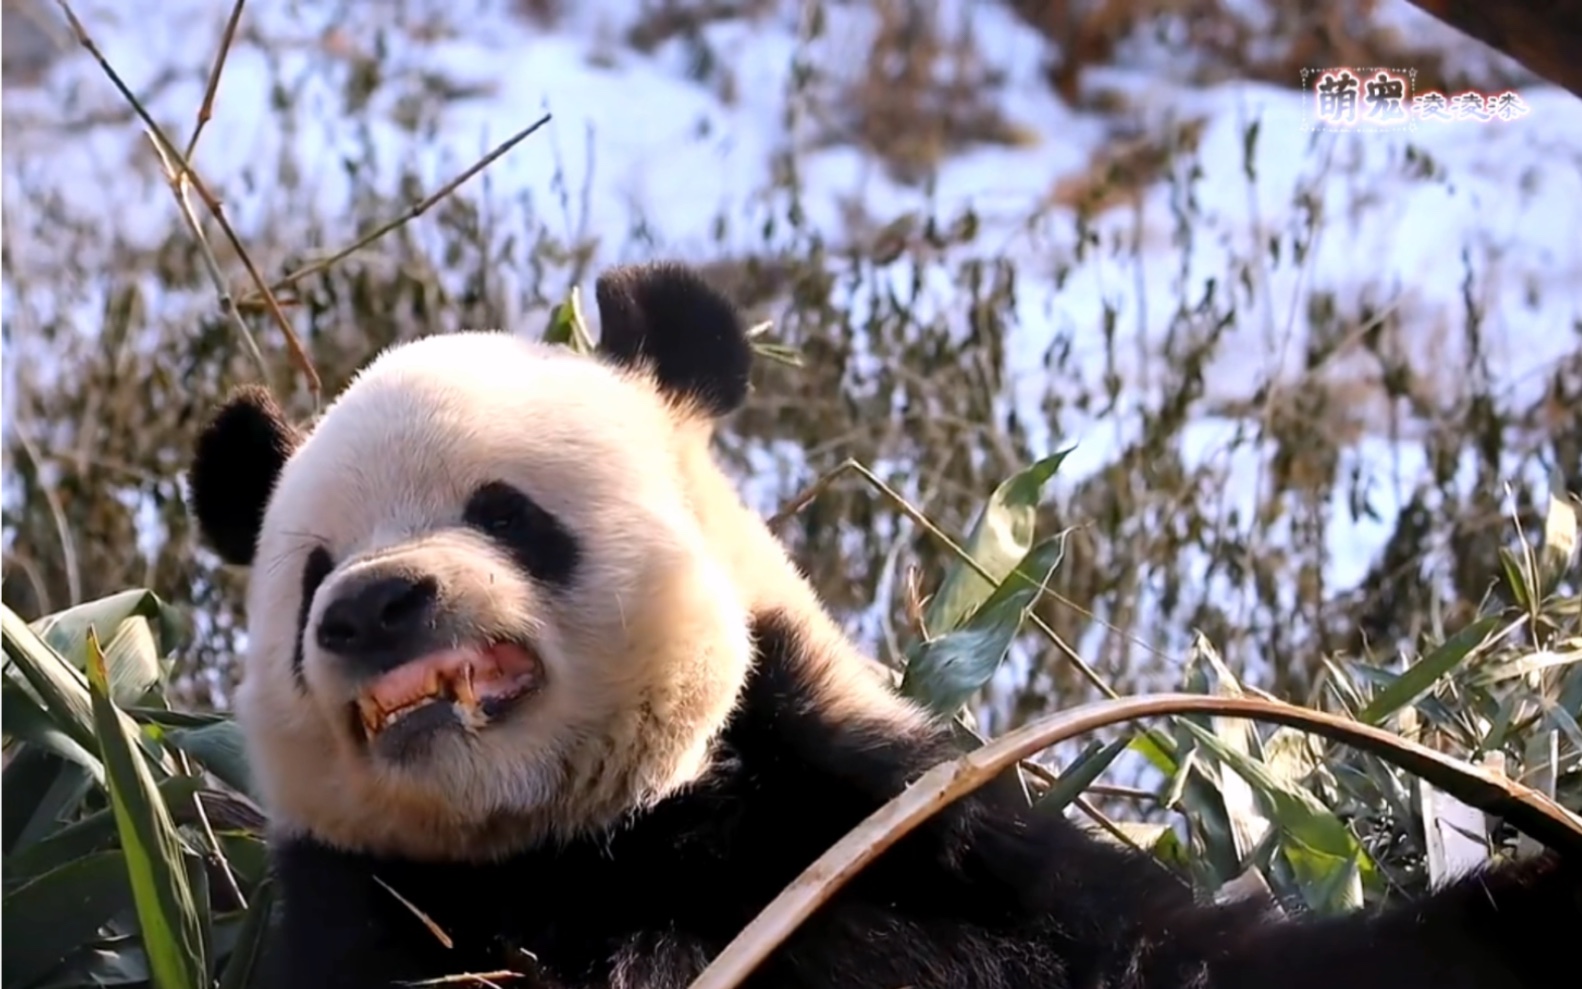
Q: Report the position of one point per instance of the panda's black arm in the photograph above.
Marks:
(1505, 928)
(1122, 922)
(1117, 921)
(337, 928)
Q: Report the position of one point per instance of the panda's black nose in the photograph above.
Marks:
(376, 620)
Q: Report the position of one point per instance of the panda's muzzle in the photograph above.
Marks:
(387, 631)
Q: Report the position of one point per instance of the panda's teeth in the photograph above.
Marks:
(372, 717)
(466, 695)
(474, 680)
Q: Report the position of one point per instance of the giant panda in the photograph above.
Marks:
(529, 688)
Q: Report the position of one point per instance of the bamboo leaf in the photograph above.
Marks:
(137, 628)
(49, 919)
(568, 327)
(1080, 775)
(167, 910)
(944, 673)
(61, 689)
(221, 749)
(1420, 678)
(1315, 842)
(1000, 538)
(1560, 538)
(242, 969)
(86, 836)
(67, 789)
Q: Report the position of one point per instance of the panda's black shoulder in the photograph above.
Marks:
(804, 768)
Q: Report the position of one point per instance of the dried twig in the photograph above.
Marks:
(469, 978)
(179, 187)
(412, 213)
(299, 356)
(206, 108)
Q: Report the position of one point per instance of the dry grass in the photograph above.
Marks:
(923, 91)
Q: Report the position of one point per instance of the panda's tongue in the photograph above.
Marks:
(469, 675)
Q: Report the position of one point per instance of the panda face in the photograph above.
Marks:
(467, 590)
(482, 608)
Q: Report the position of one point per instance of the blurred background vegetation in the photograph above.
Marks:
(101, 417)
(1160, 580)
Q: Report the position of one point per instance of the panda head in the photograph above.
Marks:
(483, 609)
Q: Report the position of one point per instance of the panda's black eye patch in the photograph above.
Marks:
(538, 542)
(317, 567)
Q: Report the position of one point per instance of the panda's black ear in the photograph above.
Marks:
(238, 458)
(666, 317)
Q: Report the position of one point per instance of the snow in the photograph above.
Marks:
(650, 138)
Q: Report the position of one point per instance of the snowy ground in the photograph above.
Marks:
(1508, 194)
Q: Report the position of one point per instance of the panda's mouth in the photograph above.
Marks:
(468, 687)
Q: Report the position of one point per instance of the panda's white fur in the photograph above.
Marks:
(700, 731)
(643, 665)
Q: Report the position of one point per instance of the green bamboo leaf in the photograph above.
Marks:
(1002, 535)
(59, 802)
(137, 629)
(1315, 842)
(944, 673)
(1195, 789)
(567, 327)
(1421, 677)
(112, 961)
(1330, 883)
(1167, 848)
(1248, 827)
(242, 969)
(167, 911)
(121, 961)
(1192, 786)
(247, 854)
(173, 719)
(85, 836)
(221, 749)
(28, 777)
(1151, 746)
(1516, 581)
(1078, 776)
(198, 882)
(49, 919)
(61, 689)
(26, 721)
